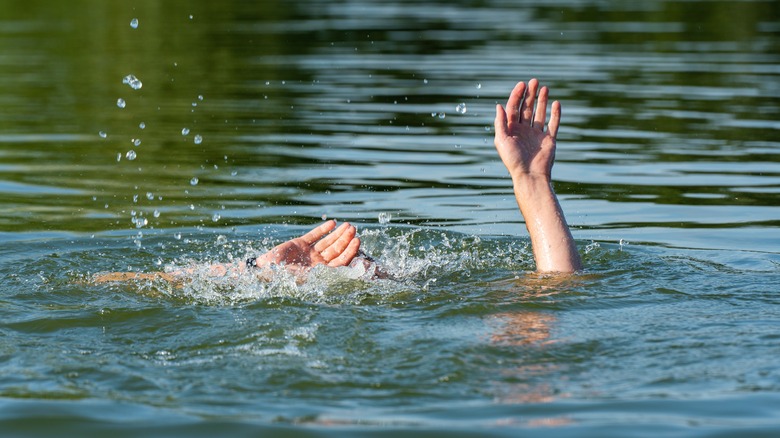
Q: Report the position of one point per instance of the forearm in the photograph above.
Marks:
(553, 246)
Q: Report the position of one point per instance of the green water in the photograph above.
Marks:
(668, 169)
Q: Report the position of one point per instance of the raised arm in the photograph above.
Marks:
(528, 153)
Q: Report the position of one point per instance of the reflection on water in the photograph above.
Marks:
(243, 120)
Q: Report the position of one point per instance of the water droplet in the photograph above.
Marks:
(192, 206)
(133, 82)
(177, 236)
(135, 201)
(442, 115)
(200, 97)
(194, 103)
(136, 142)
(190, 16)
(120, 103)
(384, 218)
(324, 217)
(221, 239)
(198, 139)
(425, 81)
(156, 213)
(194, 181)
(185, 131)
(119, 156)
(134, 23)
(102, 134)
(216, 217)
(130, 155)
(142, 125)
(479, 86)
(461, 108)
(434, 114)
(233, 173)
(150, 196)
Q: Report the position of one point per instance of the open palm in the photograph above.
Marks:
(318, 246)
(521, 141)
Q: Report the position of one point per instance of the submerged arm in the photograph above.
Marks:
(324, 245)
(528, 153)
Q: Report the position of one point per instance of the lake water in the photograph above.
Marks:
(255, 120)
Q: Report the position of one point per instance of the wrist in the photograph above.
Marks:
(529, 184)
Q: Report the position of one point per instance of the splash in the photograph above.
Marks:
(405, 264)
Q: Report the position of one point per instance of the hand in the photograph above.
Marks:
(318, 246)
(523, 145)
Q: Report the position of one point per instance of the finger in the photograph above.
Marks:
(330, 238)
(317, 233)
(541, 109)
(340, 245)
(515, 99)
(502, 130)
(527, 108)
(347, 255)
(555, 119)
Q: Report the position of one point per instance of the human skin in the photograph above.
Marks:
(324, 245)
(528, 152)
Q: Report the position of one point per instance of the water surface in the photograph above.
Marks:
(667, 168)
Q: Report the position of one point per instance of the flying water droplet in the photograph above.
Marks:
(479, 86)
(157, 213)
(102, 134)
(134, 23)
(216, 217)
(133, 82)
(442, 115)
(324, 217)
(185, 131)
(142, 125)
(136, 142)
(150, 196)
(461, 108)
(130, 155)
(384, 218)
(177, 236)
(120, 103)
(198, 139)
(194, 181)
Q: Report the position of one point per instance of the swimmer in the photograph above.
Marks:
(525, 148)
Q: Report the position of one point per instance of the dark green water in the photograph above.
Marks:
(668, 169)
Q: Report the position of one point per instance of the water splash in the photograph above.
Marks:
(413, 262)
